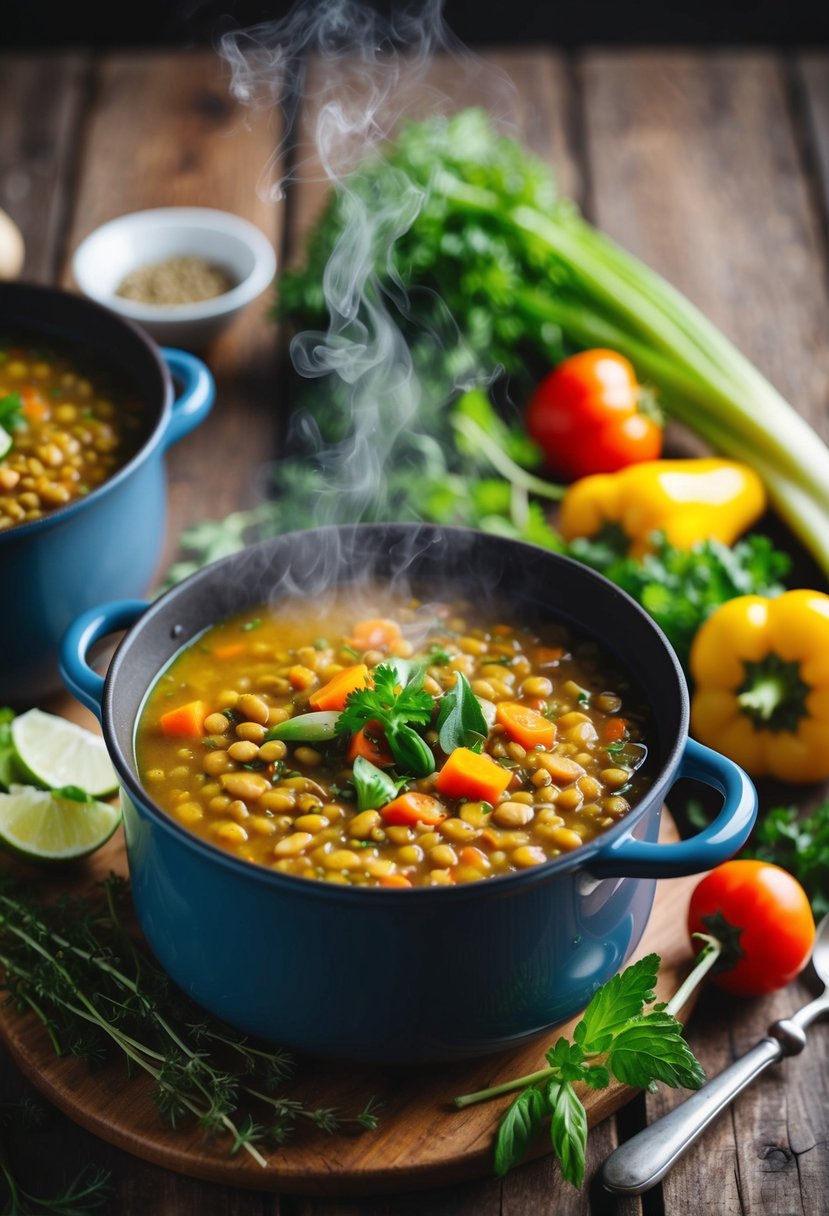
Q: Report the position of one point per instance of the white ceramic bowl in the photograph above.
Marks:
(108, 254)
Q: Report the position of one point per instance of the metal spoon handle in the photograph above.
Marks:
(642, 1161)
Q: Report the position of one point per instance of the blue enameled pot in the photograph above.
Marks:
(108, 543)
(374, 973)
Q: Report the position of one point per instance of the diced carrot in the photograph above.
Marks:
(300, 677)
(370, 743)
(524, 725)
(546, 656)
(412, 807)
(394, 880)
(35, 409)
(334, 694)
(615, 730)
(187, 721)
(230, 650)
(470, 856)
(377, 633)
(468, 774)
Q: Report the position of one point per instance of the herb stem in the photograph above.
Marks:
(705, 960)
(483, 1095)
(499, 460)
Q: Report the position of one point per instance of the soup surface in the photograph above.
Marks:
(420, 747)
(62, 433)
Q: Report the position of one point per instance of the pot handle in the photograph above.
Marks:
(194, 402)
(87, 629)
(631, 858)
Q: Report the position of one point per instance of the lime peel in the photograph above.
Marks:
(53, 753)
(42, 825)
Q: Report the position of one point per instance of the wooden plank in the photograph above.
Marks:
(812, 82)
(41, 106)
(696, 167)
(165, 132)
(531, 92)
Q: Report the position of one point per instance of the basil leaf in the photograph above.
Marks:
(614, 1004)
(652, 1048)
(461, 721)
(568, 1130)
(412, 753)
(520, 1124)
(374, 787)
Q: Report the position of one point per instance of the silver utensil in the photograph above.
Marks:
(642, 1161)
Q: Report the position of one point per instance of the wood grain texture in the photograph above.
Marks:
(695, 169)
(41, 108)
(422, 1141)
(165, 132)
(710, 190)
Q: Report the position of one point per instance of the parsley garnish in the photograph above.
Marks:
(254, 624)
(636, 1046)
(396, 713)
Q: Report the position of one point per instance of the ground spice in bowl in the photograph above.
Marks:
(177, 280)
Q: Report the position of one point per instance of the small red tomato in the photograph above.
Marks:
(772, 911)
(586, 416)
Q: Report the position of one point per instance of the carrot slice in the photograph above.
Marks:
(526, 726)
(412, 807)
(615, 730)
(547, 656)
(334, 694)
(468, 774)
(187, 721)
(377, 633)
(35, 409)
(370, 744)
(394, 880)
(230, 650)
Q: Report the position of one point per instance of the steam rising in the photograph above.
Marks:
(360, 73)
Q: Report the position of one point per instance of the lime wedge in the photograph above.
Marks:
(5, 442)
(45, 826)
(53, 752)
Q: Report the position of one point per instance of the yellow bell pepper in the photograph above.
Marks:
(687, 500)
(761, 672)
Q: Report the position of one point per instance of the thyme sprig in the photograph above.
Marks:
(77, 968)
(86, 1192)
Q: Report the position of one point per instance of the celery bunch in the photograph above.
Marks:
(495, 271)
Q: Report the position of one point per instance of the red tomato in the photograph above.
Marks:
(773, 911)
(585, 416)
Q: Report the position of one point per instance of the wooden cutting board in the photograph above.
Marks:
(422, 1140)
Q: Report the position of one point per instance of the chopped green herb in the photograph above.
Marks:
(396, 712)
(461, 721)
(374, 786)
(10, 409)
(254, 624)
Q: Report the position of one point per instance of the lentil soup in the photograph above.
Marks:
(416, 748)
(63, 430)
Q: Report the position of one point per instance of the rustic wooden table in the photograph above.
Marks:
(713, 167)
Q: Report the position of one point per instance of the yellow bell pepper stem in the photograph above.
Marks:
(761, 674)
(688, 501)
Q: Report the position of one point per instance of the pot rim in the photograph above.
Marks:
(153, 440)
(503, 884)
